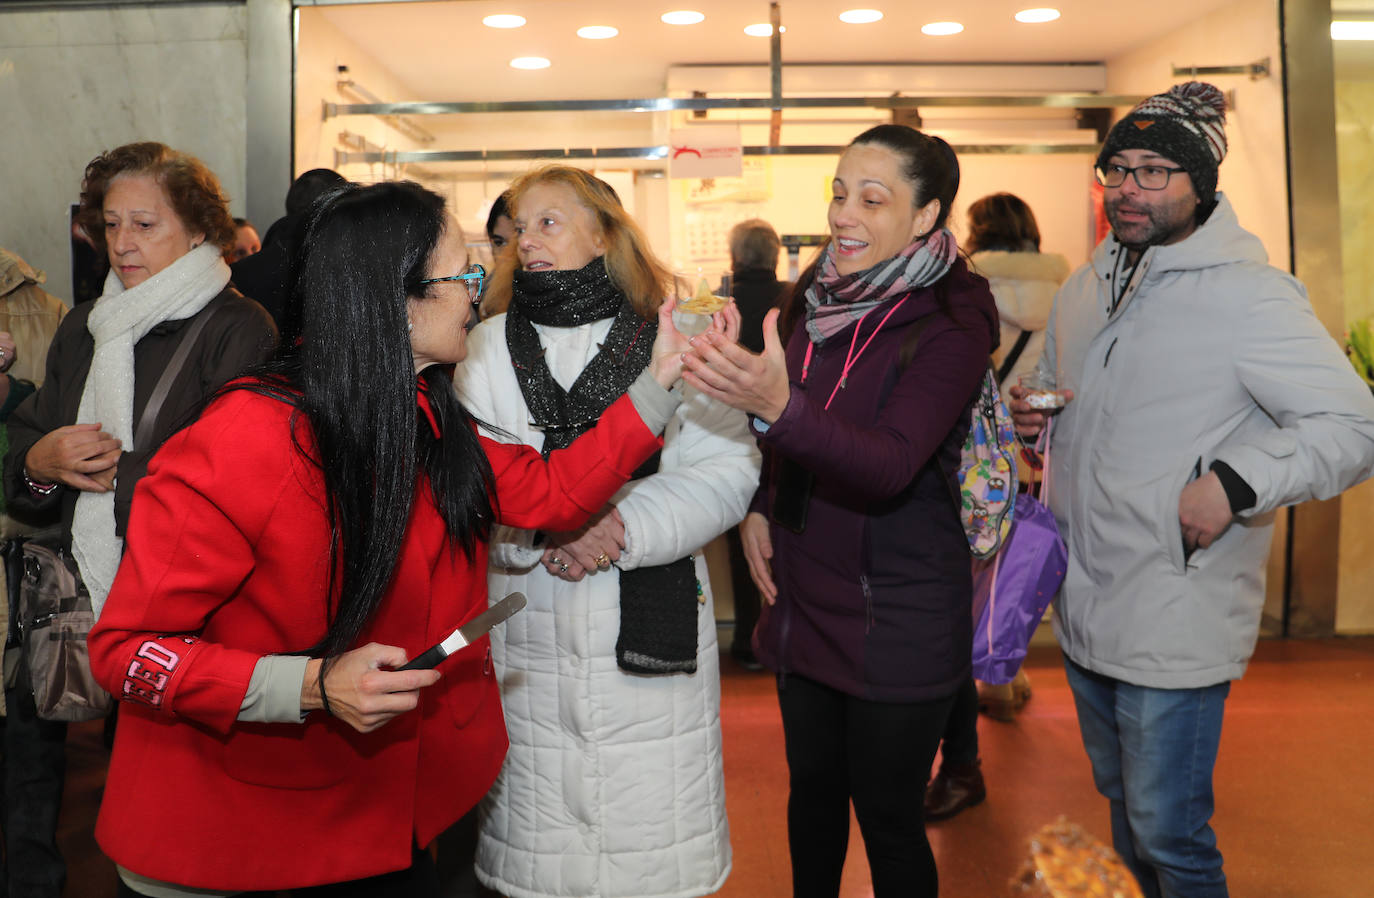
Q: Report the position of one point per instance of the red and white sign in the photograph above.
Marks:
(706, 152)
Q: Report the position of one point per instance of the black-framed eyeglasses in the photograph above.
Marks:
(474, 279)
(1149, 177)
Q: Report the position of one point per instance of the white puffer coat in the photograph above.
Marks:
(1024, 285)
(614, 784)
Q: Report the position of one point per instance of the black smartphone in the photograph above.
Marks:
(792, 495)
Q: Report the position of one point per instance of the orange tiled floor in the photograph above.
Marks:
(1295, 791)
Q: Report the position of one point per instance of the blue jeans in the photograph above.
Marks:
(1152, 752)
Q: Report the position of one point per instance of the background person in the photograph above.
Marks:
(266, 274)
(246, 240)
(318, 525)
(754, 249)
(163, 219)
(1209, 395)
(865, 563)
(1004, 246)
(614, 784)
(500, 227)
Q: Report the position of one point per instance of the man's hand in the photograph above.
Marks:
(1029, 422)
(1204, 512)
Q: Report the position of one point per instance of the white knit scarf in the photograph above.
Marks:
(118, 320)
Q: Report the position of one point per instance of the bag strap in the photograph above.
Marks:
(1013, 357)
(1044, 495)
(144, 434)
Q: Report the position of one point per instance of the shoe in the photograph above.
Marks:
(745, 659)
(953, 789)
(1002, 701)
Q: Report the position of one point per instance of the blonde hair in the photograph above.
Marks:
(632, 268)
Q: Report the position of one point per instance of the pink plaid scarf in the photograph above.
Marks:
(834, 301)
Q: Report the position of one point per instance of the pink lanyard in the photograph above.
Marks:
(851, 358)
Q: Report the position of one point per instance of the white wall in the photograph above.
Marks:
(1254, 174)
(76, 82)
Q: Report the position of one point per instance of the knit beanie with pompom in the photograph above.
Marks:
(1187, 125)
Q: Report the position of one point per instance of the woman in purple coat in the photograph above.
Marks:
(854, 537)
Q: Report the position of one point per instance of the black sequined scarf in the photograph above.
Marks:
(587, 295)
(658, 604)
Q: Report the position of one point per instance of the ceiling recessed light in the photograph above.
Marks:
(503, 21)
(529, 62)
(763, 29)
(860, 16)
(1037, 15)
(941, 29)
(597, 32)
(1342, 30)
(683, 17)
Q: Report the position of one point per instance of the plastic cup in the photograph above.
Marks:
(1043, 392)
(701, 292)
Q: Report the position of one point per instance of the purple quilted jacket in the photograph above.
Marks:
(875, 593)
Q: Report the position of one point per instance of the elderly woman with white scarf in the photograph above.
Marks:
(79, 446)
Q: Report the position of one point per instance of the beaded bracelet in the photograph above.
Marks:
(39, 489)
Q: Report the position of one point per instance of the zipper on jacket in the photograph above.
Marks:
(1108, 357)
(868, 604)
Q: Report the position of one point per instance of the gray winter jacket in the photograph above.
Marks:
(1212, 354)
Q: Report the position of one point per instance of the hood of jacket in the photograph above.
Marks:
(996, 264)
(1218, 241)
(15, 272)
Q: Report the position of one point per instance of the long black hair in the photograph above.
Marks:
(929, 165)
(351, 376)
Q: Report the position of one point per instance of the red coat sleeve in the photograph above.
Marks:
(575, 482)
(190, 546)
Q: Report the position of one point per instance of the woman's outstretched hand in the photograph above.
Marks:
(726, 371)
(671, 344)
(362, 692)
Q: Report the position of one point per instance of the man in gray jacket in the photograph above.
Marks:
(1208, 396)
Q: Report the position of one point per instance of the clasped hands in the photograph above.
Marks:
(82, 456)
(596, 546)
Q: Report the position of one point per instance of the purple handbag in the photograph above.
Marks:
(1012, 589)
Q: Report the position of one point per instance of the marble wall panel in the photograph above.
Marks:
(1355, 147)
(76, 82)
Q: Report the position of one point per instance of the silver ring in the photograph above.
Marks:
(563, 568)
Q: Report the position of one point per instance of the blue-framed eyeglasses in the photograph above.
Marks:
(474, 279)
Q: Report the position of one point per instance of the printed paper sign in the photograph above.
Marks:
(706, 152)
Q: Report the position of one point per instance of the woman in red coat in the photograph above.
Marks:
(320, 524)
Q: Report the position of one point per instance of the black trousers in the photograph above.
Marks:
(961, 732)
(418, 881)
(747, 600)
(35, 767)
(875, 754)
